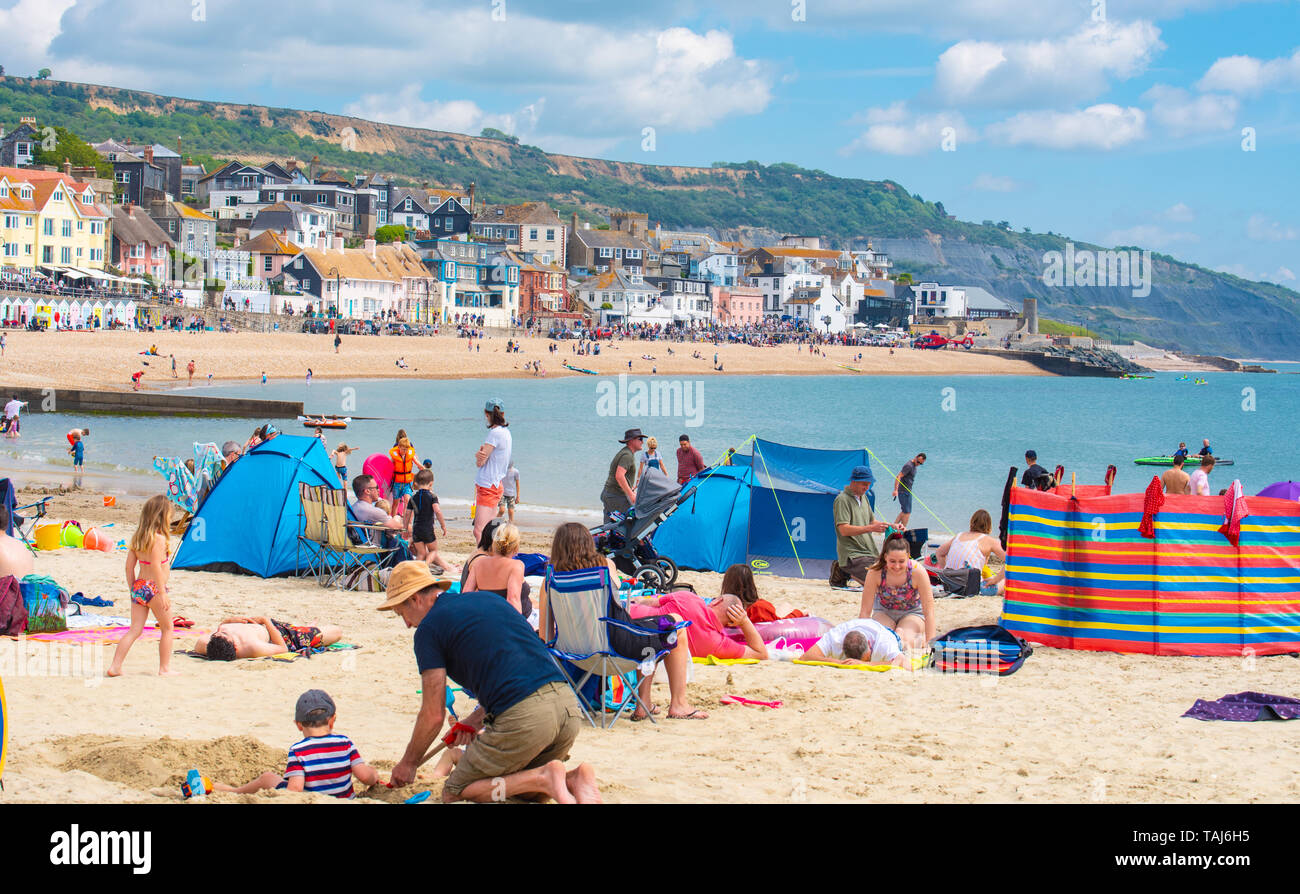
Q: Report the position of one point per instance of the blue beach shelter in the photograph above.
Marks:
(250, 520)
(771, 509)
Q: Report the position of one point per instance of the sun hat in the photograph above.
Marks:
(860, 473)
(313, 700)
(631, 434)
(493, 404)
(407, 579)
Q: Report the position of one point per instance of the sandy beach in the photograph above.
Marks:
(107, 359)
(1068, 727)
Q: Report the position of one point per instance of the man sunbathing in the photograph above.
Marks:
(860, 641)
(259, 637)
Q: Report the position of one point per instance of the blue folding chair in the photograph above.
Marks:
(581, 606)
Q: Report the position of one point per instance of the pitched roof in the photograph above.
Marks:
(134, 227)
(44, 183)
(14, 202)
(270, 242)
(790, 251)
(609, 239)
(980, 299)
(390, 264)
(614, 280)
(184, 210)
(525, 213)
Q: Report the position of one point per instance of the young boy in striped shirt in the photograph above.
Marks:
(323, 761)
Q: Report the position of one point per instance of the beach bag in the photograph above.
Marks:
(367, 579)
(972, 650)
(957, 581)
(46, 603)
(13, 611)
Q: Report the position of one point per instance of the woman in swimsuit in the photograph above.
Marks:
(151, 551)
(500, 572)
(897, 594)
(972, 549)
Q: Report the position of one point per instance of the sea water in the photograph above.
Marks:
(972, 429)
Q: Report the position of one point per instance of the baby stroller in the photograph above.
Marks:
(626, 538)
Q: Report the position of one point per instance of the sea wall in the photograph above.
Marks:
(132, 403)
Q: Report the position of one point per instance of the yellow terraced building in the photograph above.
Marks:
(47, 219)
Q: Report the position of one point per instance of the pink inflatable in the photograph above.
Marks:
(801, 631)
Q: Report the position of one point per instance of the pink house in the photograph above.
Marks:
(271, 251)
(739, 306)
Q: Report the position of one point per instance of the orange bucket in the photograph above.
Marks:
(110, 501)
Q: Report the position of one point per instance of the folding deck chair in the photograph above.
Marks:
(580, 606)
(23, 524)
(332, 556)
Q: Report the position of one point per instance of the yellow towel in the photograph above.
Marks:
(917, 663)
(713, 659)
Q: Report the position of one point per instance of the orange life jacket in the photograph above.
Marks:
(402, 465)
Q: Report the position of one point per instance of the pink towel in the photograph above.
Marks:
(1234, 510)
(1155, 498)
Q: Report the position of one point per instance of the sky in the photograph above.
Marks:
(1172, 125)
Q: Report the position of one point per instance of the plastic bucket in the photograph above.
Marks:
(110, 501)
(71, 535)
(48, 537)
(97, 539)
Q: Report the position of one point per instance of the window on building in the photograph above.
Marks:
(47, 254)
(65, 255)
(47, 226)
(532, 233)
(550, 235)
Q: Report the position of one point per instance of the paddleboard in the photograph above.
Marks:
(1169, 461)
(853, 368)
(380, 467)
(578, 369)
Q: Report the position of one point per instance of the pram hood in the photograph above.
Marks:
(655, 491)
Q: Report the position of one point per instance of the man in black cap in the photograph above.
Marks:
(618, 495)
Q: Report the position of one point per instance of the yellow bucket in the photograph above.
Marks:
(48, 536)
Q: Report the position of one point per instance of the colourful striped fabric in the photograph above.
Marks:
(1079, 576)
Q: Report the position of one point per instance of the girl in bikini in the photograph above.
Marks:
(897, 594)
(151, 551)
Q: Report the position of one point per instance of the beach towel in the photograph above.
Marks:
(84, 635)
(1151, 503)
(713, 659)
(1234, 510)
(283, 656)
(917, 663)
(1246, 706)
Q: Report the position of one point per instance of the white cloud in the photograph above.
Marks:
(28, 27)
(406, 107)
(1263, 229)
(893, 130)
(1179, 213)
(1076, 67)
(993, 183)
(1281, 275)
(1180, 113)
(602, 81)
(1149, 236)
(1246, 74)
(1103, 126)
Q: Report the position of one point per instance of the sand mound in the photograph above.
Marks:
(151, 763)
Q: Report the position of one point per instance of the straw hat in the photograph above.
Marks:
(407, 579)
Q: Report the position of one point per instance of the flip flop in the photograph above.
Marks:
(179, 621)
(697, 714)
(654, 712)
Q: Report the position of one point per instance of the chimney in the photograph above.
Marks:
(370, 248)
(67, 167)
(148, 154)
(573, 228)
(322, 242)
(311, 171)
(178, 149)
(338, 242)
(472, 187)
(237, 240)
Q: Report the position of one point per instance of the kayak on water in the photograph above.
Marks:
(1169, 461)
(1132, 376)
(325, 421)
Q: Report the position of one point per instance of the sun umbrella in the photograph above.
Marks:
(1285, 490)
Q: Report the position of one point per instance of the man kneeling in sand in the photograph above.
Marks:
(259, 637)
(527, 719)
(860, 641)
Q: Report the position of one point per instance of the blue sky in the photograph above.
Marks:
(1111, 122)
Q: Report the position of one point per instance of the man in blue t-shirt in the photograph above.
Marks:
(527, 719)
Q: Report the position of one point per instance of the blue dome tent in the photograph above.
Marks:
(771, 509)
(250, 520)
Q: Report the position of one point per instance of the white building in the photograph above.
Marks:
(820, 308)
(934, 301)
(363, 282)
(630, 300)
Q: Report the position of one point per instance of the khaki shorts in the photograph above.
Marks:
(857, 567)
(531, 734)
